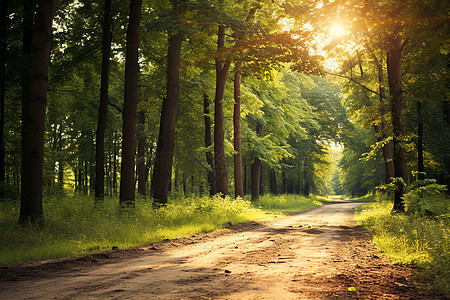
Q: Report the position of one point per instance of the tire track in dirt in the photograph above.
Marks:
(318, 254)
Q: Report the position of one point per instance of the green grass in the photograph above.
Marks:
(73, 228)
(367, 198)
(412, 240)
(287, 203)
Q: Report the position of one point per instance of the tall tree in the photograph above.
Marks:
(127, 185)
(208, 143)
(33, 114)
(395, 87)
(222, 67)
(141, 173)
(256, 171)
(3, 20)
(238, 179)
(162, 171)
(103, 107)
(387, 153)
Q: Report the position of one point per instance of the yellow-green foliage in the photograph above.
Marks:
(412, 239)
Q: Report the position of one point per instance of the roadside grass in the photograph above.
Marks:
(73, 227)
(287, 203)
(413, 239)
(371, 197)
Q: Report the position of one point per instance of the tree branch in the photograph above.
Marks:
(361, 85)
(116, 107)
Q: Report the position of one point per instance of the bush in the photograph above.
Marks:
(425, 197)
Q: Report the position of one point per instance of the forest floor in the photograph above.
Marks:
(317, 254)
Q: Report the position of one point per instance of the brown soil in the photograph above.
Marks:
(318, 254)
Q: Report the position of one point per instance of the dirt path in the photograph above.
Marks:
(318, 254)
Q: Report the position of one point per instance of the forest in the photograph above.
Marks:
(167, 99)
(120, 116)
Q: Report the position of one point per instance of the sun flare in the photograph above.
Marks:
(337, 30)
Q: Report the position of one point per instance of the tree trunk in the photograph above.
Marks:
(142, 180)
(3, 20)
(256, 176)
(208, 142)
(219, 133)
(256, 171)
(306, 187)
(420, 165)
(109, 173)
(238, 180)
(162, 171)
(103, 107)
(127, 185)
(283, 183)
(273, 182)
(33, 114)
(387, 153)
(114, 177)
(395, 88)
(85, 178)
(261, 181)
(245, 179)
(387, 156)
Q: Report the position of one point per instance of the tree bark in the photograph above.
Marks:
(387, 156)
(142, 178)
(219, 133)
(208, 142)
(256, 171)
(306, 187)
(33, 114)
(387, 153)
(162, 171)
(127, 184)
(395, 88)
(238, 180)
(273, 182)
(103, 107)
(3, 20)
(256, 176)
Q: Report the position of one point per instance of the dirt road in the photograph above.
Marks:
(318, 254)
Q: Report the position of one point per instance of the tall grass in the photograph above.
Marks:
(412, 239)
(73, 227)
(287, 203)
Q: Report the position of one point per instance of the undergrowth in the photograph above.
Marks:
(73, 227)
(413, 239)
(287, 203)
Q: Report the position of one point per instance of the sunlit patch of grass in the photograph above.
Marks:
(412, 239)
(73, 227)
(371, 197)
(287, 203)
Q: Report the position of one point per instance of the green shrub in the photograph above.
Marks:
(425, 197)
